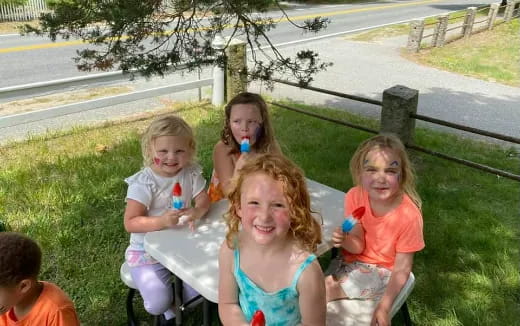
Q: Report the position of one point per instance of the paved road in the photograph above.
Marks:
(366, 69)
(363, 69)
(25, 60)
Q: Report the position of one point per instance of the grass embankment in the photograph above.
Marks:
(53, 100)
(491, 55)
(70, 197)
(14, 27)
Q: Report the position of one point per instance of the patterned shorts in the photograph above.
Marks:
(360, 280)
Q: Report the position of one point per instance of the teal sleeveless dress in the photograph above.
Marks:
(280, 308)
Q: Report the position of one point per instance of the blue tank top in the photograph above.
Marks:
(280, 308)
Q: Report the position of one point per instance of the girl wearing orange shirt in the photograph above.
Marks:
(378, 252)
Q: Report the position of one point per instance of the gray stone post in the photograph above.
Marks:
(415, 36)
(508, 13)
(441, 33)
(469, 20)
(398, 103)
(236, 70)
(492, 15)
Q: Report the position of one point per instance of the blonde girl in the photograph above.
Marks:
(168, 148)
(378, 252)
(246, 115)
(266, 262)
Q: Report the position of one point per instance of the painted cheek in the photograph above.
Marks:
(157, 160)
(258, 132)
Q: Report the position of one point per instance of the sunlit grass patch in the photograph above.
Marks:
(491, 55)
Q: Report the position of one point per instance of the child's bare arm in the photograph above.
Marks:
(223, 164)
(402, 268)
(353, 241)
(136, 219)
(311, 288)
(228, 308)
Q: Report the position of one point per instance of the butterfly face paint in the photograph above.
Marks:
(380, 175)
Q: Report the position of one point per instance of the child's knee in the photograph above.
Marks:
(330, 283)
(158, 302)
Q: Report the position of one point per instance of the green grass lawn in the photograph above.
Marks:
(70, 197)
(491, 55)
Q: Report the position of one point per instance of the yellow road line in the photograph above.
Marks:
(295, 18)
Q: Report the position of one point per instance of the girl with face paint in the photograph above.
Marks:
(378, 252)
(247, 132)
(169, 176)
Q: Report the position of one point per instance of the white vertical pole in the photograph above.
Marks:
(218, 86)
(218, 73)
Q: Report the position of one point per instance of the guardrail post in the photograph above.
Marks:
(435, 33)
(442, 26)
(415, 36)
(398, 103)
(508, 13)
(492, 15)
(469, 20)
(217, 96)
(236, 70)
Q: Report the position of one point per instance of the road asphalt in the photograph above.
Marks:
(368, 68)
(360, 68)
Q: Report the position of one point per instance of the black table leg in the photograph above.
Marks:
(178, 301)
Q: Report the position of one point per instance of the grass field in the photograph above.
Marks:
(491, 55)
(66, 193)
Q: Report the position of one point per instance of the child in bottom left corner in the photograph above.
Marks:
(168, 148)
(25, 300)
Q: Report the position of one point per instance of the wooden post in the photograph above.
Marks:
(492, 15)
(469, 20)
(508, 13)
(441, 34)
(236, 70)
(415, 36)
(398, 103)
(435, 34)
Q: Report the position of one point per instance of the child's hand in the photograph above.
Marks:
(242, 160)
(337, 237)
(171, 218)
(189, 215)
(381, 317)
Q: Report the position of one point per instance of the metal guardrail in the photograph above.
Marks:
(12, 93)
(17, 119)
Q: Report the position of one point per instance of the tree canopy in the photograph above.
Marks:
(155, 36)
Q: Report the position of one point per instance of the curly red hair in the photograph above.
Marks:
(304, 227)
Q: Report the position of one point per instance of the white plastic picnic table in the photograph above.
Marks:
(193, 256)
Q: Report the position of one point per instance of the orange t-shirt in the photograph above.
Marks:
(52, 308)
(400, 230)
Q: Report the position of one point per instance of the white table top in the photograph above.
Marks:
(193, 256)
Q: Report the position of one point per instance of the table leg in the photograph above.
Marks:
(178, 301)
(206, 312)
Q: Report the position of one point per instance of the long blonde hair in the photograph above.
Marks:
(165, 126)
(392, 142)
(304, 227)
